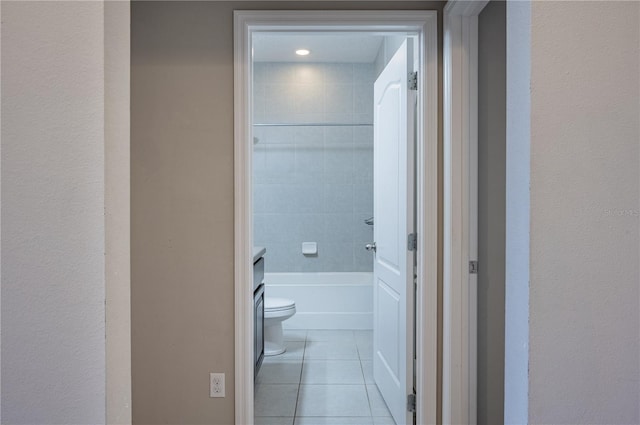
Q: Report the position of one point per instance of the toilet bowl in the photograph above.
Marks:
(276, 310)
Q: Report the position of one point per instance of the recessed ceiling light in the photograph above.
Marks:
(302, 52)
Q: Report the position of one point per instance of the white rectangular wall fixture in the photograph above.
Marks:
(309, 248)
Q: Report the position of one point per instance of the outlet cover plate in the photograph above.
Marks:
(216, 385)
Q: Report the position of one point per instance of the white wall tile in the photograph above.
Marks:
(339, 136)
(304, 176)
(278, 135)
(309, 229)
(363, 163)
(259, 73)
(362, 198)
(259, 102)
(309, 73)
(338, 256)
(338, 72)
(338, 164)
(259, 163)
(338, 98)
(307, 198)
(282, 256)
(281, 73)
(363, 135)
(338, 198)
(339, 117)
(309, 163)
(361, 118)
(309, 98)
(338, 227)
(363, 259)
(363, 98)
(364, 73)
(362, 232)
(279, 163)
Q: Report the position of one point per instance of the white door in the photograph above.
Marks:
(394, 106)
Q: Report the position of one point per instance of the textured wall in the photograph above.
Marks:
(585, 210)
(491, 210)
(182, 203)
(181, 211)
(53, 230)
(314, 184)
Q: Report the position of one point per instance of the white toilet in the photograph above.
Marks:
(276, 310)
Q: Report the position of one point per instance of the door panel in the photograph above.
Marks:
(389, 307)
(393, 211)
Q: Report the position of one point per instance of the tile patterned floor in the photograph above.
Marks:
(324, 378)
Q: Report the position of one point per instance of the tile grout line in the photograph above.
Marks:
(304, 349)
(366, 390)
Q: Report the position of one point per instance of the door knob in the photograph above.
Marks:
(371, 247)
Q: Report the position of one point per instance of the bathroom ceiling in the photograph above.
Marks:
(279, 47)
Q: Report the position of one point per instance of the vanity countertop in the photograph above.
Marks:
(258, 252)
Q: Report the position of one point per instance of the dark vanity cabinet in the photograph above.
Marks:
(258, 313)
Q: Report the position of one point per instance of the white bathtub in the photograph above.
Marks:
(325, 300)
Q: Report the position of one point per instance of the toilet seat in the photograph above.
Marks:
(278, 304)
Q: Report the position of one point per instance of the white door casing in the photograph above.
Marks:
(459, 352)
(394, 220)
(424, 25)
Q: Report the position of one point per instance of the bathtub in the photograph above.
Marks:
(325, 300)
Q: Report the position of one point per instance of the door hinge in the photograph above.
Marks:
(412, 242)
(413, 81)
(411, 403)
(473, 267)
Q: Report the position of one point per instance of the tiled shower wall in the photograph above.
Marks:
(314, 184)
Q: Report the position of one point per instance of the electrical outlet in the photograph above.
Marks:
(216, 385)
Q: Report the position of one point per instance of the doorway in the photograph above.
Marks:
(421, 27)
(314, 126)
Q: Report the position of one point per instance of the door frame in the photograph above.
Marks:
(425, 25)
(460, 303)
